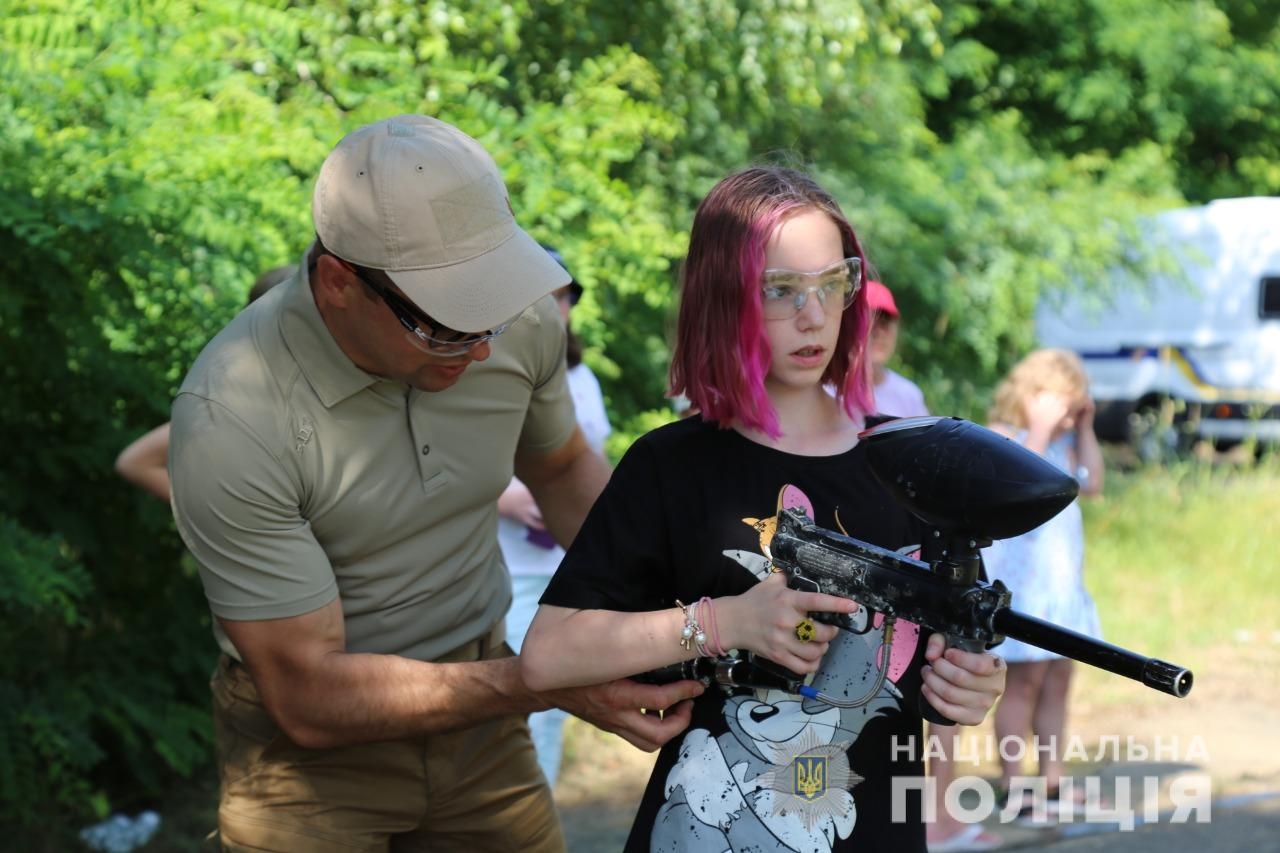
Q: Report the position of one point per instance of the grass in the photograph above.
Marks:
(1181, 560)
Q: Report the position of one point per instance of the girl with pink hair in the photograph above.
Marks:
(673, 562)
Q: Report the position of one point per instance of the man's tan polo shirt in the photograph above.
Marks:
(298, 477)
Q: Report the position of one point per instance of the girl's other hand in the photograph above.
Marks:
(961, 685)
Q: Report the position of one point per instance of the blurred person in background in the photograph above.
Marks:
(895, 394)
(1044, 404)
(531, 553)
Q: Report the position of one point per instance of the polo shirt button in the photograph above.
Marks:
(426, 448)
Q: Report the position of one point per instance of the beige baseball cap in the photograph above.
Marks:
(422, 201)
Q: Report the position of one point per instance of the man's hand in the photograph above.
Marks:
(630, 709)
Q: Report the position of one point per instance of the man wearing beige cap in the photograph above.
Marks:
(337, 453)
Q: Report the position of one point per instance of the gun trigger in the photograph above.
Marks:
(868, 622)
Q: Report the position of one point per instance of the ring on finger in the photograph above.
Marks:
(805, 630)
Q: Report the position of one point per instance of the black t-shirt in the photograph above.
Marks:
(688, 513)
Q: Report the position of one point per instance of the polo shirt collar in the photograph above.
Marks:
(331, 374)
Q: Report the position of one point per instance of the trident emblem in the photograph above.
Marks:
(811, 776)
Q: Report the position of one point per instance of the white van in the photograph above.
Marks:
(1181, 358)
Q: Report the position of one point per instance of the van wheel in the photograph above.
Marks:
(1155, 435)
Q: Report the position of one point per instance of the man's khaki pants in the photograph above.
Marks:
(479, 789)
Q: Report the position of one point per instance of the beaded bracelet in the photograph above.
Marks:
(709, 619)
(691, 634)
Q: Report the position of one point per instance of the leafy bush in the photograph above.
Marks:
(43, 710)
(76, 687)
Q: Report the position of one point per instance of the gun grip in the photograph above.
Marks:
(931, 713)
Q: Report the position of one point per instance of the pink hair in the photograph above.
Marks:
(721, 354)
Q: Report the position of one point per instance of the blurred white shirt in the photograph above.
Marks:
(899, 396)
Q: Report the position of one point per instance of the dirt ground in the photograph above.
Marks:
(1226, 733)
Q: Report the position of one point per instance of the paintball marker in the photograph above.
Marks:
(969, 485)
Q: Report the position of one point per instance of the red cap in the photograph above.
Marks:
(880, 299)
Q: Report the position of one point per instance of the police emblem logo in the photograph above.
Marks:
(810, 779)
(810, 776)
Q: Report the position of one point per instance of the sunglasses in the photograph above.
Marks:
(783, 293)
(439, 340)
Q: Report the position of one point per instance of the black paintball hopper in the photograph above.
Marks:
(958, 476)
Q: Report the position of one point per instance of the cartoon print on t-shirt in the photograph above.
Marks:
(780, 777)
(788, 498)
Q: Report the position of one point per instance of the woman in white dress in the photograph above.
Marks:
(1044, 404)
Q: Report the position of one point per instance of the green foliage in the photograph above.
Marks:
(156, 155)
(1199, 79)
(47, 748)
(967, 229)
(75, 687)
(127, 228)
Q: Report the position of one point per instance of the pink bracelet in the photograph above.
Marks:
(715, 647)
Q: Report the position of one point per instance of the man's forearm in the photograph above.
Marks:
(359, 698)
(364, 698)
